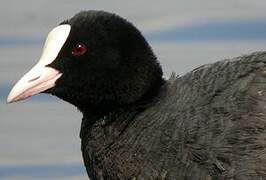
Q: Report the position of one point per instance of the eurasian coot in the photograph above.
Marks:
(207, 124)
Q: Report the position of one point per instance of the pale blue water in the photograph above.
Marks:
(13, 42)
(48, 171)
(213, 31)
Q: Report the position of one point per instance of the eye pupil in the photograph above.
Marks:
(79, 49)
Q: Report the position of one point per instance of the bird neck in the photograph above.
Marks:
(117, 118)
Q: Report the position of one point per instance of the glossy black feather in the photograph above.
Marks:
(207, 124)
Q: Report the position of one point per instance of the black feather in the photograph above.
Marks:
(207, 124)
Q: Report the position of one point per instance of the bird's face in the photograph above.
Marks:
(94, 58)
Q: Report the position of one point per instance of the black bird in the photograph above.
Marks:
(207, 124)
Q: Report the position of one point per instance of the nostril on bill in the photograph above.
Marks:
(34, 79)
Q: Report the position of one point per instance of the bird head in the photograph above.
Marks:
(94, 59)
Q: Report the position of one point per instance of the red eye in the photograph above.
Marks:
(79, 49)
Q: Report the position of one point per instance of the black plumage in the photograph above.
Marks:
(207, 124)
(118, 56)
